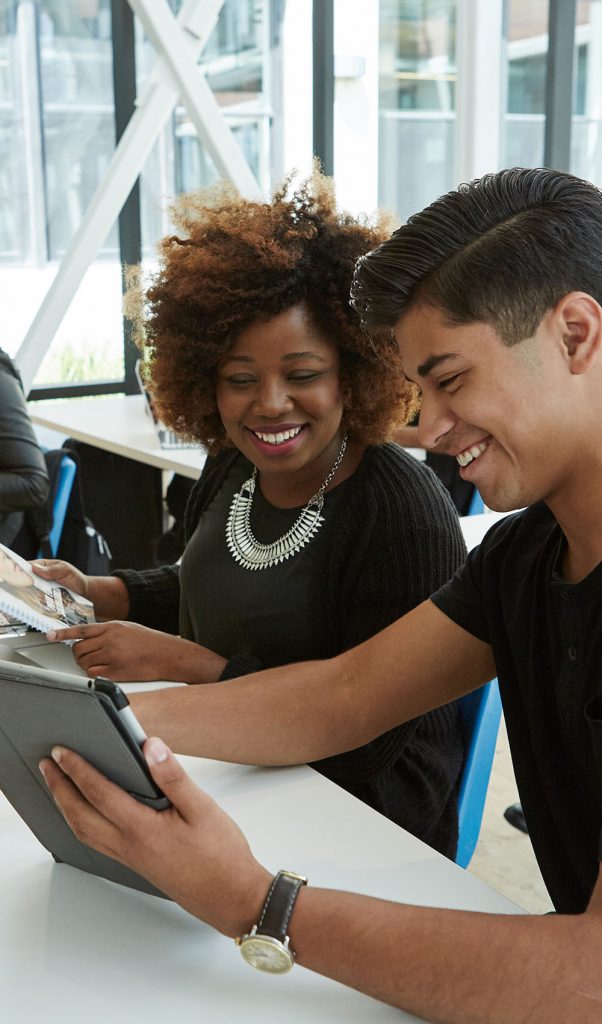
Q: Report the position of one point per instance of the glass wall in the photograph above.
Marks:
(586, 133)
(57, 136)
(396, 95)
(236, 62)
(416, 102)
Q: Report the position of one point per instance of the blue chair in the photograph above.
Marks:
(62, 493)
(480, 713)
(477, 505)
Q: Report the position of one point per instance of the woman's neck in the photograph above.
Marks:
(291, 490)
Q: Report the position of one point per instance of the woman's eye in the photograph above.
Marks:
(239, 380)
(303, 375)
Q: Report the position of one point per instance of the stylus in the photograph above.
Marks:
(134, 727)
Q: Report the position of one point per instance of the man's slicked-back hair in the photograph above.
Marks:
(501, 250)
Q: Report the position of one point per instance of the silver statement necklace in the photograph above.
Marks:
(247, 551)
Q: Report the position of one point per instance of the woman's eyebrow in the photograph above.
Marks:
(288, 358)
(302, 355)
(237, 359)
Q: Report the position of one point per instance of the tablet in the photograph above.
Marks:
(40, 709)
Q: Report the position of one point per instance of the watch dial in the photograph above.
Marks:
(266, 954)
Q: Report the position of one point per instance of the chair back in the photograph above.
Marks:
(480, 713)
(477, 505)
(62, 492)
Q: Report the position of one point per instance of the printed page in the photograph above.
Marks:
(39, 603)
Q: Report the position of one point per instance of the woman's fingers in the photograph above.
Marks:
(95, 629)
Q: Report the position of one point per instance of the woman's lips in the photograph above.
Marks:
(277, 441)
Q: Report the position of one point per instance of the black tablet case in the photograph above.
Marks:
(34, 717)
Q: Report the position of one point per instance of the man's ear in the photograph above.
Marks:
(581, 326)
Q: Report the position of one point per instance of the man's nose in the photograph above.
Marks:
(435, 420)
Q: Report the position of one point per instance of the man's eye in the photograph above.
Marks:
(448, 380)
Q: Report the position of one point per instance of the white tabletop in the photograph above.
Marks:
(474, 528)
(77, 948)
(119, 425)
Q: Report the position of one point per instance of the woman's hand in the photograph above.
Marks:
(108, 594)
(193, 851)
(62, 572)
(128, 652)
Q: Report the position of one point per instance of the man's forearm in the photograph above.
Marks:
(250, 720)
(311, 710)
(454, 967)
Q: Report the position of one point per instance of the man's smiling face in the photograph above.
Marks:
(503, 412)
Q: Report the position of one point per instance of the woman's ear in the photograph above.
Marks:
(581, 329)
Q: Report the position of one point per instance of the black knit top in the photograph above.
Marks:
(394, 540)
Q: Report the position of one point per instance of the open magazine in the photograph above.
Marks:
(27, 598)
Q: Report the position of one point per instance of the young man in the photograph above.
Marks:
(494, 293)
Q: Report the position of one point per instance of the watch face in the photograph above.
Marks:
(266, 954)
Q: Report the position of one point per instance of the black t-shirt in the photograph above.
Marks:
(546, 637)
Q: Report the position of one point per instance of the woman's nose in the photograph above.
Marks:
(273, 398)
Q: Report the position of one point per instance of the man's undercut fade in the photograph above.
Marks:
(501, 250)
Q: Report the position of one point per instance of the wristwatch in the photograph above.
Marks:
(266, 946)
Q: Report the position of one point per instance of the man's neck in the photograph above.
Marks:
(579, 515)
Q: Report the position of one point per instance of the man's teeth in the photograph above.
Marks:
(471, 453)
(278, 438)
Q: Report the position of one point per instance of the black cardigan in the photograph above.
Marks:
(395, 540)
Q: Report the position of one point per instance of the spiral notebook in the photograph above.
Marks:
(30, 600)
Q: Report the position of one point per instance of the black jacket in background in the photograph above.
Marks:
(23, 478)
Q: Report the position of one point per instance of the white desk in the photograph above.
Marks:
(119, 425)
(474, 528)
(75, 948)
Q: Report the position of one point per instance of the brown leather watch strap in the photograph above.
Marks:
(279, 905)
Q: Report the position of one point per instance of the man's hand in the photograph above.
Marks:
(128, 652)
(193, 851)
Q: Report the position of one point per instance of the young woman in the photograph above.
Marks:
(307, 533)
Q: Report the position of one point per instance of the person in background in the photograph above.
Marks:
(24, 482)
(307, 532)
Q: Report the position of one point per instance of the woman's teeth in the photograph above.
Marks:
(472, 453)
(278, 438)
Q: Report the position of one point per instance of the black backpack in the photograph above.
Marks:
(81, 543)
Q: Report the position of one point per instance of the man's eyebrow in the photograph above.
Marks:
(425, 368)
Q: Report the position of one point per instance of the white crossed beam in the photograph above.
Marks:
(174, 78)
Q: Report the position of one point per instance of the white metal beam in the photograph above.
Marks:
(165, 35)
(479, 93)
(194, 24)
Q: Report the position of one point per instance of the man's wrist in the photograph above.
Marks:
(247, 903)
(266, 946)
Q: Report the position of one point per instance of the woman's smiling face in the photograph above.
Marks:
(279, 397)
